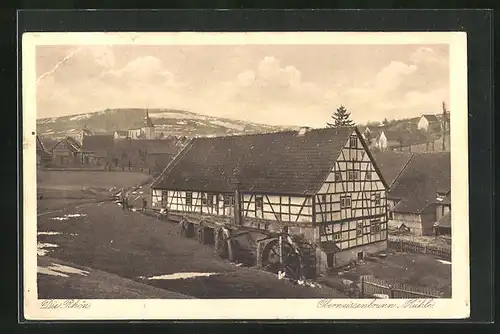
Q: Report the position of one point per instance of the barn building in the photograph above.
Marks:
(419, 196)
(320, 184)
(96, 149)
(66, 152)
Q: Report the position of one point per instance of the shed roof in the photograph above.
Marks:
(281, 162)
(418, 184)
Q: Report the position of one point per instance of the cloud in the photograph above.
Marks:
(427, 55)
(144, 69)
(275, 88)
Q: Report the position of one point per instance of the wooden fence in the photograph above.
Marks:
(402, 245)
(371, 286)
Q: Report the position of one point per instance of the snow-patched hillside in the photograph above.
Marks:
(173, 122)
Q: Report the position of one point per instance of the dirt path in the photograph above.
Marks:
(138, 248)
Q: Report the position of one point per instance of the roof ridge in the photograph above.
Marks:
(172, 163)
(412, 155)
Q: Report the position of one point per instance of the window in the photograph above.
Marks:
(259, 203)
(323, 198)
(376, 199)
(204, 199)
(211, 199)
(345, 202)
(337, 236)
(353, 142)
(189, 198)
(368, 175)
(353, 175)
(359, 229)
(338, 176)
(375, 226)
(228, 200)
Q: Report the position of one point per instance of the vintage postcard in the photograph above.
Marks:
(245, 176)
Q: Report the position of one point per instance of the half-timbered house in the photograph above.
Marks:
(322, 184)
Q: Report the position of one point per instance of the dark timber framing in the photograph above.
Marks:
(349, 208)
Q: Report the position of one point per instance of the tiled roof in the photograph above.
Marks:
(154, 146)
(391, 164)
(70, 143)
(280, 163)
(98, 143)
(40, 148)
(419, 182)
(73, 143)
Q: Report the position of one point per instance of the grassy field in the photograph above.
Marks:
(137, 247)
(76, 180)
(59, 189)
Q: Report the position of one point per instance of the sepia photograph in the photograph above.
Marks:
(218, 175)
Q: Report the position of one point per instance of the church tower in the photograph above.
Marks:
(149, 127)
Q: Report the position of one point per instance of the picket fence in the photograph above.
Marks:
(402, 245)
(371, 286)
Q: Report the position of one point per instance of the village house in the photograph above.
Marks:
(414, 195)
(405, 141)
(95, 149)
(429, 123)
(43, 156)
(322, 184)
(120, 134)
(66, 152)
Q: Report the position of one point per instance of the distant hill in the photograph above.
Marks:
(169, 121)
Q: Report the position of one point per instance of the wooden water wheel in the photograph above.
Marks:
(282, 256)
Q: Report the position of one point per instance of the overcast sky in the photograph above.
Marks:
(272, 84)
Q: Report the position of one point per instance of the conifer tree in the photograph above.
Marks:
(341, 118)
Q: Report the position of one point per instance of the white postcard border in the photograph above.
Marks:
(453, 308)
